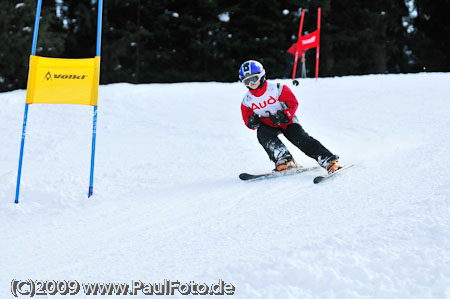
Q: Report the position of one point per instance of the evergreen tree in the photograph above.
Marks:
(16, 33)
(360, 37)
(124, 41)
(188, 41)
(261, 30)
(430, 39)
(79, 23)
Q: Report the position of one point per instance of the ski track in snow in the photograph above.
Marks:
(168, 203)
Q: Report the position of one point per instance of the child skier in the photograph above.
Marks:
(270, 108)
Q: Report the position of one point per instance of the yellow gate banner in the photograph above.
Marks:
(63, 81)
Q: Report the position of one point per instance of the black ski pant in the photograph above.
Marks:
(268, 138)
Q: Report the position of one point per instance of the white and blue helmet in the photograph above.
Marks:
(251, 71)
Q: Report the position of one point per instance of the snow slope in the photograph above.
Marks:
(168, 203)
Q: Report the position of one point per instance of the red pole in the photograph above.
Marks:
(298, 44)
(318, 44)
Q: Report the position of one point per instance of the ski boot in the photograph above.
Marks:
(332, 166)
(284, 165)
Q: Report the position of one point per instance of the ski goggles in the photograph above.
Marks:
(252, 79)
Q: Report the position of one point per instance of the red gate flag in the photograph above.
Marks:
(306, 42)
(310, 40)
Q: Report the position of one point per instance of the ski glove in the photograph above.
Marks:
(253, 121)
(279, 118)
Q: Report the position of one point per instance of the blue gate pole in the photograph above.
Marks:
(94, 126)
(25, 116)
(94, 136)
(99, 27)
(19, 171)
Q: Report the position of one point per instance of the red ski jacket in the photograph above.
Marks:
(270, 98)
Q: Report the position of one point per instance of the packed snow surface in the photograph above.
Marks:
(168, 203)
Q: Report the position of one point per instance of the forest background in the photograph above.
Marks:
(207, 40)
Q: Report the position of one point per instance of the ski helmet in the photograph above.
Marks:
(252, 71)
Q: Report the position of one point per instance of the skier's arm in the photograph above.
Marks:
(287, 97)
(247, 113)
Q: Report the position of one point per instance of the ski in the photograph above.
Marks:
(322, 178)
(269, 175)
